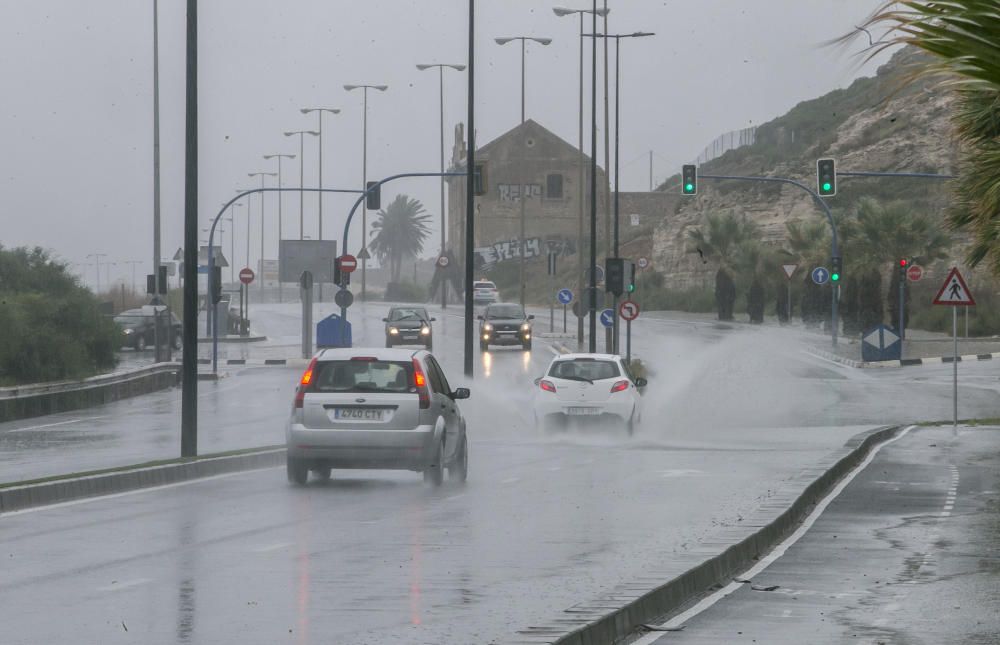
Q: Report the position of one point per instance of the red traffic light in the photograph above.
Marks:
(903, 262)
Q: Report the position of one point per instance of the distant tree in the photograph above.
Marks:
(850, 306)
(961, 37)
(870, 311)
(755, 301)
(398, 233)
(729, 240)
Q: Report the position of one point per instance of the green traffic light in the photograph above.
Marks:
(835, 276)
(688, 187)
(827, 186)
(631, 288)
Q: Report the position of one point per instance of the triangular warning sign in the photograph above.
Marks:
(789, 269)
(954, 291)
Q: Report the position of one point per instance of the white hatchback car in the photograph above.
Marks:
(588, 386)
(376, 408)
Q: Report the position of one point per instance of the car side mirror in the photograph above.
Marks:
(537, 381)
(385, 320)
(433, 319)
(641, 382)
(531, 316)
(461, 393)
(479, 317)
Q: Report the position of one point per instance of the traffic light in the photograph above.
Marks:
(630, 287)
(903, 263)
(836, 269)
(689, 179)
(215, 291)
(826, 177)
(614, 275)
(373, 198)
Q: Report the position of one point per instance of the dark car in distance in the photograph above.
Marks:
(408, 326)
(504, 324)
(139, 331)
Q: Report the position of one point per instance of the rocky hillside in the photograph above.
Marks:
(877, 124)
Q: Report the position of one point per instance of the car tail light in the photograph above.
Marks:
(304, 383)
(620, 386)
(547, 386)
(420, 381)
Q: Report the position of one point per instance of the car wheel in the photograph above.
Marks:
(459, 470)
(484, 347)
(323, 473)
(140, 344)
(178, 342)
(388, 343)
(430, 346)
(434, 472)
(526, 346)
(298, 473)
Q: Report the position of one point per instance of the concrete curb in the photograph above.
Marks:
(624, 609)
(906, 362)
(79, 486)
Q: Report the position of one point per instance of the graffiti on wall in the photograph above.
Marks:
(513, 192)
(534, 247)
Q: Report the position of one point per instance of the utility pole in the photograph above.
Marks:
(470, 188)
(97, 267)
(189, 395)
(156, 146)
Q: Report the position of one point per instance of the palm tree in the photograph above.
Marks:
(961, 36)
(399, 232)
(734, 242)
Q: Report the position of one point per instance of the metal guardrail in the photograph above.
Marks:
(102, 380)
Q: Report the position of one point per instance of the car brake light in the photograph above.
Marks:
(420, 381)
(620, 386)
(547, 386)
(304, 383)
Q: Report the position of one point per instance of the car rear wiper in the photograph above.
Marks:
(576, 378)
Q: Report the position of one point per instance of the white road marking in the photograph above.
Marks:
(117, 586)
(512, 480)
(271, 547)
(778, 551)
(53, 425)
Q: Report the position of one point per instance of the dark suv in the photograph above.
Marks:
(138, 331)
(504, 324)
(408, 326)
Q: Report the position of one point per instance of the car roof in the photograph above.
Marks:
(605, 357)
(380, 353)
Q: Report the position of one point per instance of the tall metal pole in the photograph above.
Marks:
(260, 288)
(609, 333)
(364, 186)
(579, 231)
(470, 222)
(302, 173)
(523, 199)
(650, 171)
(592, 292)
(444, 281)
(156, 145)
(618, 73)
(189, 395)
(954, 366)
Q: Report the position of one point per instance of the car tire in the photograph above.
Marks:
(298, 472)
(434, 472)
(140, 344)
(484, 347)
(459, 470)
(323, 473)
(429, 346)
(178, 342)
(388, 343)
(526, 346)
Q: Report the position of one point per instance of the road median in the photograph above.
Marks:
(19, 496)
(626, 608)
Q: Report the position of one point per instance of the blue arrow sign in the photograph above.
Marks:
(608, 318)
(565, 296)
(820, 275)
(880, 343)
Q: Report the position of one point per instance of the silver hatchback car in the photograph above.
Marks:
(376, 408)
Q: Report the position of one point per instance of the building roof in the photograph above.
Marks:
(529, 129)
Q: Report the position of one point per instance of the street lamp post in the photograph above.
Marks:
(562, 11)
(302, 169)
(156, 146)
(279, 157)
(618, 70)
(97, 267)
(440, 67)
(364, 176)
(262, 175)
(319, 112)
(232, 244)
(521, 192)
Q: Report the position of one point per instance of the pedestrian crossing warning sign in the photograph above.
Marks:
(954, 291)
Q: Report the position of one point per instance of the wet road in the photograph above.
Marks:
(375, 557)
(906, 554)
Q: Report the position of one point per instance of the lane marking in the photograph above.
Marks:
(512, 480)
(89, 500)
(53, 425)
(777, 552)
(271, 547)
(117, 586)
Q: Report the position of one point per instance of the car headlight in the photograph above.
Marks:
(129, 331)
(487, 327)
(525, 327)
(393, 331)
(425, 331)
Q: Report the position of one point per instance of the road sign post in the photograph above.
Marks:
(629, 310)
(565, 296)
(955, 293)
(306, 290)
(789, 269)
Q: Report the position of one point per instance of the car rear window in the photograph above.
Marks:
(483, 285)
(584, 368)
(363, 376)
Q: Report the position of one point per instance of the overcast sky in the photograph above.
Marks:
(76, 119)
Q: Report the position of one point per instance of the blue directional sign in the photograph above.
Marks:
(565, 296)
(820, 275)
(881, 343)
(608, 318)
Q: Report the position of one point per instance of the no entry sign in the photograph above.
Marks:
(246, 275)
(348, 263)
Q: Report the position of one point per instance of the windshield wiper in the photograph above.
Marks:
(576, 378)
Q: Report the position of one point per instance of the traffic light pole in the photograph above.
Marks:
(834, 246)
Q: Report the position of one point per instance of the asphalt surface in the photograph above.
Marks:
(906, 554)
(376, 557)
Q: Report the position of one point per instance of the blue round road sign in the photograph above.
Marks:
(820, 275)
(565, 296)
(608, 318)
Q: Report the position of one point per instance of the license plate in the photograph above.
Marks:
(360, 414)
(409, 337)
(583, 411)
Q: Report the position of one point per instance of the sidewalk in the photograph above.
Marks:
(907, 553)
